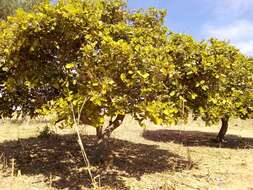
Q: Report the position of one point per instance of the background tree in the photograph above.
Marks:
(234, 72)
(214, 79)
(20, 100)
(9, 7)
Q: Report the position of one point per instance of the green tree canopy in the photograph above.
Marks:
(103, 55)
(213, 78)
(112, 61)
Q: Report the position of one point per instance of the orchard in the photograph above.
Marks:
(99, 59)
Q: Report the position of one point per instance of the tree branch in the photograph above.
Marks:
(113, 125)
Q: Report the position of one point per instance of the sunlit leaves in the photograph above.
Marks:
(211, 77)
(120, 62)
(99, 51)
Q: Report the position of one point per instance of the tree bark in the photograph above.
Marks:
(101, 150)
(223, 130)
(113, 125)
(103, 153)
(99, 132)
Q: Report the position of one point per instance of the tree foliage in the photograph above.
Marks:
(214, 78)
(100, 55)
(112, 61)
(9, 7)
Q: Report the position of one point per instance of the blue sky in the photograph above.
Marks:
(230, 20)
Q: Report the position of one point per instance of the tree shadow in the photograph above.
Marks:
(197, 138)
(60, 156)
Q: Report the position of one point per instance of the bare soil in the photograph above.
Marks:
(174, 157)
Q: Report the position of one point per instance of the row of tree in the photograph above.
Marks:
(100, 59)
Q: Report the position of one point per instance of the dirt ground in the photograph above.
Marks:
(175, 157)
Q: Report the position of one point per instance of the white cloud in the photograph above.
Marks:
(235, 23)
(238, 30)
(246, 47)
(233, 8)
(239, 33)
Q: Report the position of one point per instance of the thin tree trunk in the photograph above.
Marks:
(113, 125)
(103, 153)
(223, 130)
(101, 150)
(100, 145)
(99, 132)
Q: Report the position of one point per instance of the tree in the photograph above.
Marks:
(9, 7)
(102, 60)
(234, 85)
(214, 79)
(20, 97)
(98, 56)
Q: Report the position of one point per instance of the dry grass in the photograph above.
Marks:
(178, 157)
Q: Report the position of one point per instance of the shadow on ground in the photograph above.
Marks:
(60, 157)
(197, 138)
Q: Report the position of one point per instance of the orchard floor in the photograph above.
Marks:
(176, 157)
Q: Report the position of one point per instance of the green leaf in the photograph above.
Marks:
(143, 75)
(70, 65)
(194, 96)
(123, 77)
(172, 93)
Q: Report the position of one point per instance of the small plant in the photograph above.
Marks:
(46, 132)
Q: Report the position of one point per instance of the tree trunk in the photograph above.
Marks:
(224, 127)
(103, 153)
(101, 150)
(99, 132)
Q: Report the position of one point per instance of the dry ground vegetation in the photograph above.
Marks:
(175, 157)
